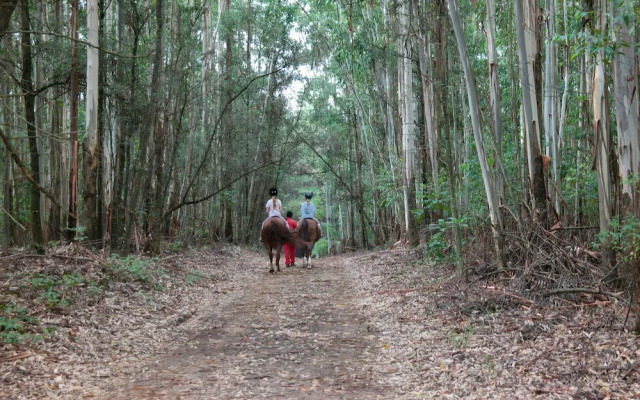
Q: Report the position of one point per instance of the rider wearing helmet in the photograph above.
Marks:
(308, 209)
(274, 207)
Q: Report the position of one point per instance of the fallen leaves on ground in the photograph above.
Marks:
(416, 330)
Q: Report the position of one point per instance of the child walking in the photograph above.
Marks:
(290, 247)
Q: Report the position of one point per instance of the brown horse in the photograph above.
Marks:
(275, 233)
(309, 231)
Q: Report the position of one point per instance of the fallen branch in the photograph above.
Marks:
(584, 290)
(13, 219)
(15, 357)
(504, 292)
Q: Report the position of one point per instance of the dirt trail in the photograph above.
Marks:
(379, 325)
(297, 334)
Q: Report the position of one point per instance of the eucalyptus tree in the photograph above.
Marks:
(6, 10)
(563, 105)
(494, 93)
(602, 133)
(527, 30)
(472, 96)
(406, 100)
(626, 83)
(91, 145)
(74, 93)
(550, 101)
(27, 87)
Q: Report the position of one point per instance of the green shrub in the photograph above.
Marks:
(55, 290)
(136, 269)
(193, 277)
(16, 325)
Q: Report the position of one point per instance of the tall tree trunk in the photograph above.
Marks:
(602, 138)
(492, 201)
(91, 144)
(494, 92)
(152, 144)
(8, 182)
(228, 125)
(73, 94)
(550, 103)
(563, 106)
(359, 190)
(626, 83)
(55, 143)
(408, 124)
(6, 9)
(526, 26)
(26, 85)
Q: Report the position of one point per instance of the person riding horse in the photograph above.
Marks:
(308, 228)
(308, 209)
(274, 207)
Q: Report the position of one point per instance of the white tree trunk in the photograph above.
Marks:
(601, 130)
(626, 102)
(91, 144)
(527, 46)
(563, 106)
(492, 201)
(494, 90)
(407, 110)
(550, 96)
(426, 77)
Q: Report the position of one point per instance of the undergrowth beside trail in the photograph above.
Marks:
(33, 287)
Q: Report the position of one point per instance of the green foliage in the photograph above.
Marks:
(437, 245)
(434, 199)
(321, 248)
(193, 277)
(17, 326)
(55, 290)
(389, 195)
(623, 237)
(80, 234)
(175, 247)
(136, 269)
(589, 41)
(460, 339)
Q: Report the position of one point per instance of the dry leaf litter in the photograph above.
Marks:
(214, 324)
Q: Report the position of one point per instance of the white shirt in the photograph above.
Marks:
(274, 210)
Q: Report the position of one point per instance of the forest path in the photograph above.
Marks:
(291, 335)
(371, 325)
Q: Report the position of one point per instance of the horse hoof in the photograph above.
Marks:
(271, 271)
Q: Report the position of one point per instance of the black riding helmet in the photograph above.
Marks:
(273, 192)
(308, 195)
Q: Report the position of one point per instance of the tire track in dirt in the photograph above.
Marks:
(293, 335)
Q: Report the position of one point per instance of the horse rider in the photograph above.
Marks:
(274, 207)
(290, 247)
(308, 209)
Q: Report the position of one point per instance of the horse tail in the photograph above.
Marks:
(305, 230)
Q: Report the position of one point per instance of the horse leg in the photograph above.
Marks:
(270, 260)
(279, 248)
